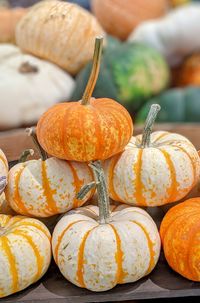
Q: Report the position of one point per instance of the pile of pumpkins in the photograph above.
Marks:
(92, 153)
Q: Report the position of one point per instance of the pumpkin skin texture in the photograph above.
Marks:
(120, 17)
(73, 131)
(156, 175)
(130, 73)
(178, 105)
(3, 171)
(4, 206)
(8, 21)
(38, 84)
(189, 72)
(100, 256)
(179, 233)
(45, 188)
(25, 252)
(70, 28)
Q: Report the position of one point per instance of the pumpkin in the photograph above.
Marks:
(87, 130)
(189, 72)
(130, 73)
(180, 238)
(37, 84)
(97, 250)
(8, 20)
(3, 171)
(67, 26)
(155, 169)
(167, 35)
(47, 186)
(178, 105)
(25, 252)
(4, 206)
(120, 17)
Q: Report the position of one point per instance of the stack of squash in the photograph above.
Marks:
(92, 149)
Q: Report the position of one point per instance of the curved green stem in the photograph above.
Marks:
(32, 133)
(155, 108)
(95, 71)
(25, 154)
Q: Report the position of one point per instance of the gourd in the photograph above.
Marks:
(25, 252)
(154, 169)
(67, 26)
(37, 84)
(97, 250)
(180, 238)
(3, 171)
(167, 36)
(178, 105)
(189, 72)
(130, 73)
(120, 17)
(8, 20)
(87, 130)
(47, 186)
(4, 206)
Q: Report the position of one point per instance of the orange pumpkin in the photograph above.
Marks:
(189, 72)
(87, 130)
(8, 21)
(180, 233)
(119, 17)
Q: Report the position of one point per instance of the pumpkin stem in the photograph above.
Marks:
(102, 192)
(25, 154)
(95, 71)
(155, 108)
(31, 132)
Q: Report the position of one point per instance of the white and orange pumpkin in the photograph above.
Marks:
(25, 252)
(3, 171)
(162, 171)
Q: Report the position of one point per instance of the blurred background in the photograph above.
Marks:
(151, 55)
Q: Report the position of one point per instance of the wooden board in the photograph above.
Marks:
(161, 283)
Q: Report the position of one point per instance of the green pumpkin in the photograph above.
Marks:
(178, 105)
(130, 73)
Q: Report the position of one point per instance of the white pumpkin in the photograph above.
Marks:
(25, 253)
(100, 256)
(45, 188)
(28, 86)
(3, 171)
(175, 35)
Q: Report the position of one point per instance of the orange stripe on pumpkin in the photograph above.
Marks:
(150, 245)
(16, 195)
(80, 271)
(165, 134)
(78, 183)
(47, 191)
(120, 274)
(113, 193)
(29, 224)
(5, 245)
(39, 258)
(139, 187)
(173, 188)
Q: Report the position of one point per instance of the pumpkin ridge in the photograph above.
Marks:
(150, 245)
(16, 195)
(64, 123)
(140, 199)
(190, 246)
(33, 224)
(39, 258)
(5, 244)
(77, 183)
(120, 274)
(164, 134)
(98, 134)
(132, 211)
(80, 271)
(113, 193)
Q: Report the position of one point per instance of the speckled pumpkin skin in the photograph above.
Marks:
(180, 233)
(45, 188)
(61, 32)
(100, 256)
(78, 132)
(3, 164)
(25, 253)
(162, 173)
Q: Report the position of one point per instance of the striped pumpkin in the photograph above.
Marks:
(180, 234)
(25, 252)
(45, 188)
(3, 171)
(159, 174)
(4, 206)
(100, 256)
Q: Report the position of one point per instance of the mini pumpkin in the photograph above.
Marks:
(9, 17)
(98, 250)
(47, 186)
(4, 206)
(120, 17)
(67, 26)
(87, 130)
(3, 171)
(154, 169)
(180, 233)
(37, 84)
(25, 252)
